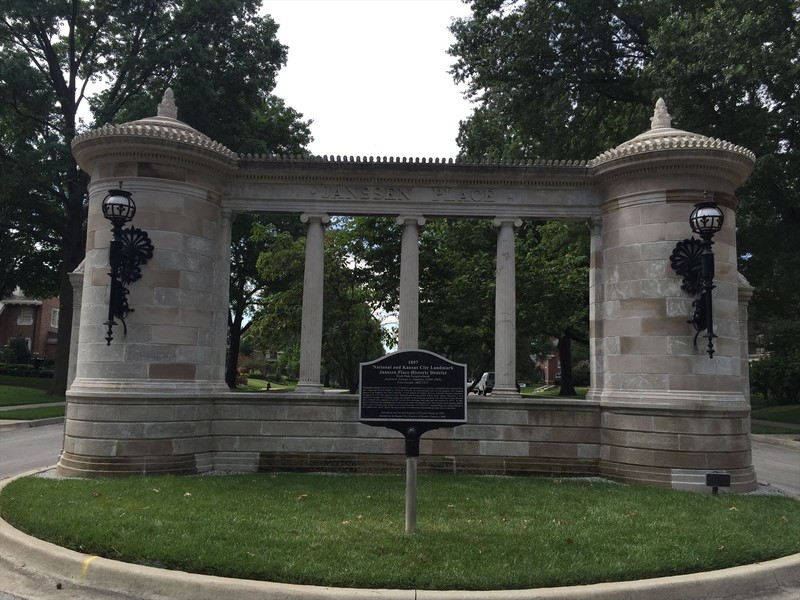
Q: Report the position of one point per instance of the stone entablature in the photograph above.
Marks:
(537, 192)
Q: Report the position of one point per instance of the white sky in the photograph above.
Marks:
(372, 74)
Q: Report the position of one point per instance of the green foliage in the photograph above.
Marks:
(26, 379)
(479, 533)
(32, 414)
(14, 395)
(569, 80)
(351, 333)
(777, 376)
(251, 237)
(457, 290)
(778, 414)
(17, 352)
(220, 57)
(456, 283)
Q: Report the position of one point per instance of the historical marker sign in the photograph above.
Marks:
(413, 391)
(413, 386)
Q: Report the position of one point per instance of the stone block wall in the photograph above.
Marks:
(133, 435)
(279, 432)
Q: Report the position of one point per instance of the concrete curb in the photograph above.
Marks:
(4, 425)
(11, 424)
(778, 578)
(787, 440)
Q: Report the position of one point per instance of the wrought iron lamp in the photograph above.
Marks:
(693, 260)
(130, 248)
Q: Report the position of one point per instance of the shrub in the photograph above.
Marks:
(18, 352)
(580, 373)
(24, 371)
(777, 377)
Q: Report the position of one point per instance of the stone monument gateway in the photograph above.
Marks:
(659, 410)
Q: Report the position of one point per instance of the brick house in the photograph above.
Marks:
(32, 319)
(551, 368)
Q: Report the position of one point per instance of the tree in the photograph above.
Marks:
(456, 283)
(457, 290)
(572, 79)
(350, 334)
(251, 237)
(220, 57)
(553, 285)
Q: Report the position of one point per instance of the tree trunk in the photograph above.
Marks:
(565, 356)
(235, 335)
(74, 240)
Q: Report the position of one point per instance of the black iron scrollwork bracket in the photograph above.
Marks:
(693, 260)
(130, 249)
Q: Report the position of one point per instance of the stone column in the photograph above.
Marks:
(670, 414)
(505, 307)
(408, 321)
(76, 280)
(144, 403)
(223, 273)
(311, 329)
(745, 294)
(596, 350)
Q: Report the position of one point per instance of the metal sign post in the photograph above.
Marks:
(413, 391)
(412, 442)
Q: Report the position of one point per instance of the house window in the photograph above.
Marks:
(25, 316)
(54, 319)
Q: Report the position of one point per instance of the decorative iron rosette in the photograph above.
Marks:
(685, 261)
(137, 249)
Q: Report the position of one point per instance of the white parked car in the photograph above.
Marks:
(485, 384)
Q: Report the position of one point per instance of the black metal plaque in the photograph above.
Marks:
(718, 479)
(413, 386)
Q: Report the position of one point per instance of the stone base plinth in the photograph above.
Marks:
(656, 443)
(124, 428)
(675, 439)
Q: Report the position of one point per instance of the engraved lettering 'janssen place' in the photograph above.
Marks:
(462, 195)
(361, 192)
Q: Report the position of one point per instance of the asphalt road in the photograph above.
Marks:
(29, 448)
(778, 466)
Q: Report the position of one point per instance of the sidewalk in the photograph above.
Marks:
(16, 424)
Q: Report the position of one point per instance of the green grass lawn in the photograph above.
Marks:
(41, 383)
(30, 414)
(778, 414)
(13, 395)
(553, 392)
(260, 385)
(348, 530)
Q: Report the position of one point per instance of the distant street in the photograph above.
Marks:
(778, 466)
(29, 448)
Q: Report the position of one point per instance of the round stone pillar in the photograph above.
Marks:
(505, 310)
(408, 315)
(670, 414)
(142, 404)
(313, 292)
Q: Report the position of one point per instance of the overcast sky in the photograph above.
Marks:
(372, 74)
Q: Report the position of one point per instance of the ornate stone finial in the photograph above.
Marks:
(660, 116)
(167, 106)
